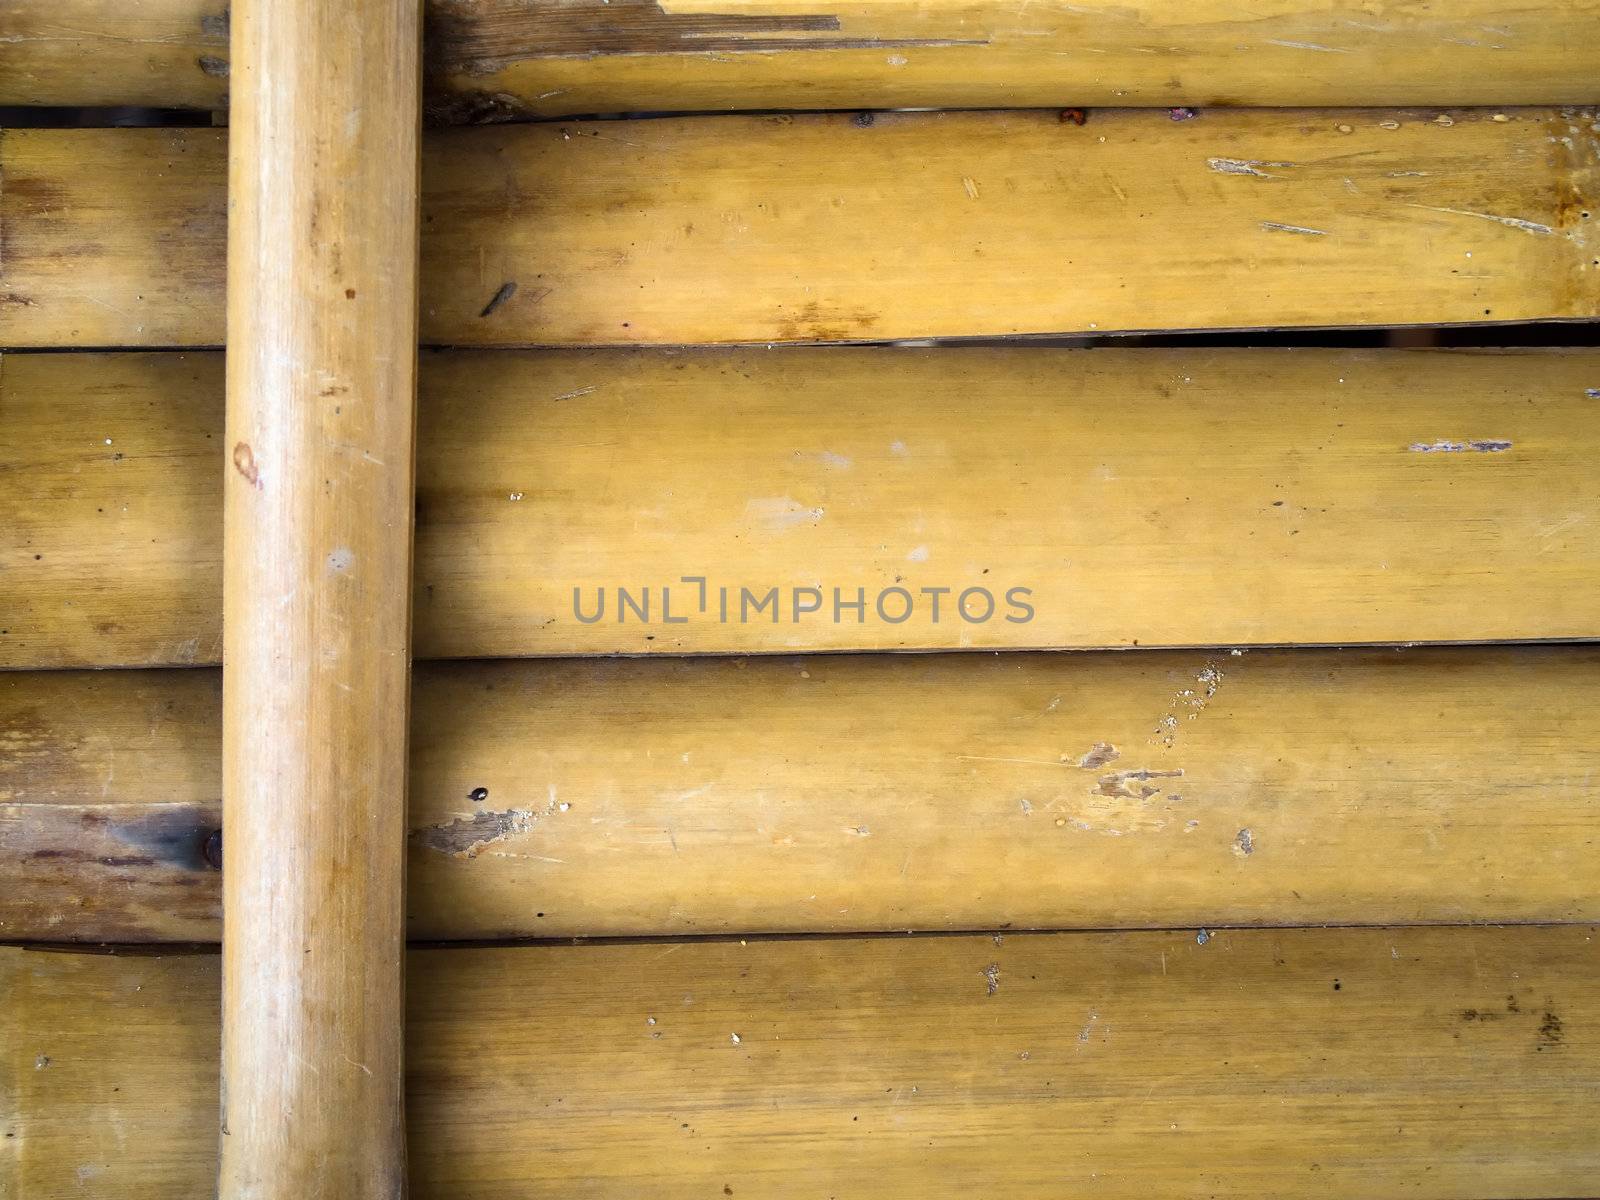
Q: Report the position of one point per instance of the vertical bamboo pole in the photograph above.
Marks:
(322, 299)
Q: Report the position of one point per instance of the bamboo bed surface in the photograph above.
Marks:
(1296, 1063)
(1144, 497)
(823, 228)
(499, 59)
(847, 793)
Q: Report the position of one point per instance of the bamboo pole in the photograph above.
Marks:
(317, 568)
(1147, 497)
(899, 226)
(499, 59)
(1234, 1063)
(815, 795)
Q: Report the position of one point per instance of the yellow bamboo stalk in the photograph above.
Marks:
(1255, 1063)
(494, 59)
(317, 562)
(826, 228)
(1150, 497)
(856, 792)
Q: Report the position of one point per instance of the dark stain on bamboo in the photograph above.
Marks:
(1118, 783)
(1098, 756)
(124, 872)
(476, 108)
(217, 26)
(480, 37)
(507, 290)
(173, 835)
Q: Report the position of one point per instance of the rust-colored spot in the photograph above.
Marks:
(815, 322)
(244, 461)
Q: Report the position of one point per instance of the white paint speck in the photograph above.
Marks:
(1307, 46)
(828, 458)
(1479, 446)
(1280, 227)
(1511, 222)
(782, 512)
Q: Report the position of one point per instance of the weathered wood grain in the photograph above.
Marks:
(844, 793)
(497, 59)
(817, 228)
(1451, 1064)
(1143, 497)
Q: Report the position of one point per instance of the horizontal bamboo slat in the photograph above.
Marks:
(1143, 497)
(820, 228)
(94, 53)
(496, 59)
(864, 793)
(1384, 1063)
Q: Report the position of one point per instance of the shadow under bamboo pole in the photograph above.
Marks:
(322, 315)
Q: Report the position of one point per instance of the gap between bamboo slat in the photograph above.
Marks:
(500, 59)
(1450, 1064)
(1141, 497)
(822, 228)
(845, 793)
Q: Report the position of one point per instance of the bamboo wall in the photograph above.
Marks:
(1256, 861)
